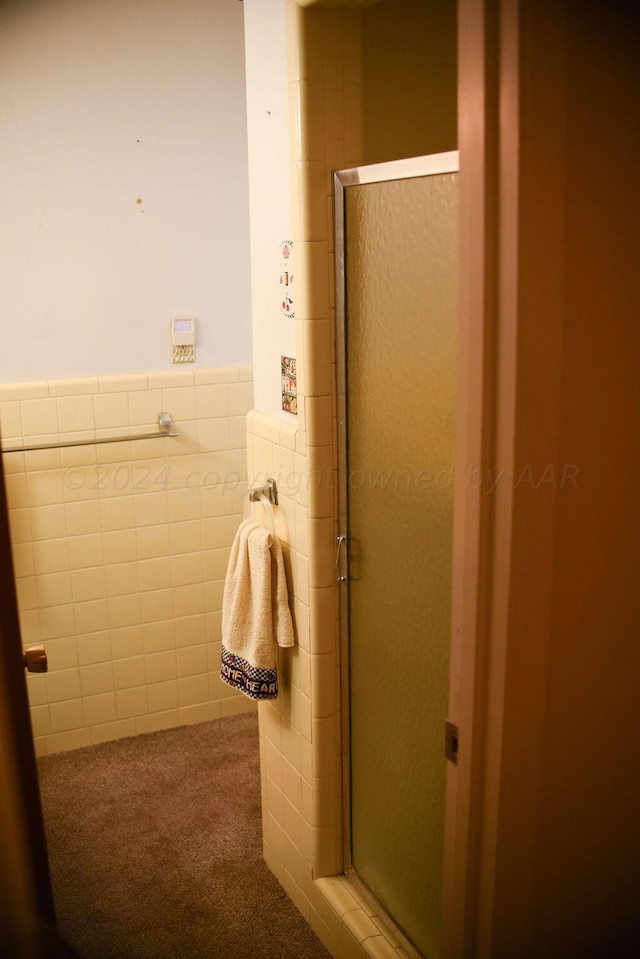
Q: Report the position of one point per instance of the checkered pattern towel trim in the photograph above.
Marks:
(253, 682)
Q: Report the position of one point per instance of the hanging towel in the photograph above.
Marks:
(255, 612)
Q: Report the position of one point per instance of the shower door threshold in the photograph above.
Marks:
(388, 923)
(349, 897)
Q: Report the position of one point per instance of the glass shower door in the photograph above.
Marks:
(399, 347)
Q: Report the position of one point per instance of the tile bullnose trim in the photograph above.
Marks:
(349, 912)
(24, 391)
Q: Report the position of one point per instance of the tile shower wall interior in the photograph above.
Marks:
(120, 550)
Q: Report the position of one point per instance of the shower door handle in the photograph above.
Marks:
(341, 541)
(35, 660)
(350, 544)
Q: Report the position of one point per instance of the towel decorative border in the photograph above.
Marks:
(253, 682)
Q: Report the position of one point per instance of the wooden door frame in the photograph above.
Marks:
(25, 887)
(511, 315)
(487, 140)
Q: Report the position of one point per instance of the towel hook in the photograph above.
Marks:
(270, 490)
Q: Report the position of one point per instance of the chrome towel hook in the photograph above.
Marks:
(270, 490)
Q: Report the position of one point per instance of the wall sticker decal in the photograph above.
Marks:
(289, 384)
(286, 279)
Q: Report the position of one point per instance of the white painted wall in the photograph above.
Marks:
(104, 103)
(269, 192)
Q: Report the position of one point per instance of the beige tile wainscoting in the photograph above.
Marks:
(120, 550)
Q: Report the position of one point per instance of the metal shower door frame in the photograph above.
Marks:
(412, 168)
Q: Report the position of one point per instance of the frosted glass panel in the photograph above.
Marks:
(401, 275)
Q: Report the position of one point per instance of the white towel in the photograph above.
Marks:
(255, 612)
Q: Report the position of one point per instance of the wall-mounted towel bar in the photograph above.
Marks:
(164, 424)
(270, 490)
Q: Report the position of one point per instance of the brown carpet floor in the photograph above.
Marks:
(155, 848)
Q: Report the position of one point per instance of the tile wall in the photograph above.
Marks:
(300, 732)
(324, 116)
(299, 829)
(120, 550)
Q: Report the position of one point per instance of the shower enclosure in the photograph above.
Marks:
(396, 254)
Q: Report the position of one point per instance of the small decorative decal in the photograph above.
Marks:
(289, 384)
(286, 279)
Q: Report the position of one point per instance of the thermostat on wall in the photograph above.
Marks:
(183, 339)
